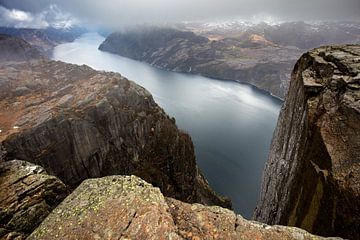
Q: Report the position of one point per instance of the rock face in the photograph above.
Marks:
(312, 177)
(27, 195)
(79, 123)
(126, 207)
(14, 49)
(253, 60)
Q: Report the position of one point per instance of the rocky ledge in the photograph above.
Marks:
(126, 207)
(312, 177)
(27, 195)
(79, 123)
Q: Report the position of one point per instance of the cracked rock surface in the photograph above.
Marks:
(27, 195)
(126, 207)
(79, 123)
(312, 177)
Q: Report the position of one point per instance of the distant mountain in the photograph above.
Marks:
(304, 35)
(44, 39)
(15, 49)
(253, 60)
(261, 54)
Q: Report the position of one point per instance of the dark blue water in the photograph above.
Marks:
(231, 124)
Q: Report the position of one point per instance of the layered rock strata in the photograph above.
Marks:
(27, 195)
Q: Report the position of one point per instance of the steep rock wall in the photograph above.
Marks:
(312, 176)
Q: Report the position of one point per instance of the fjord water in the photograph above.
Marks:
(231, 124)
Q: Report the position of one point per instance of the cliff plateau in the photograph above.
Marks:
(79, 123)
(312, 176)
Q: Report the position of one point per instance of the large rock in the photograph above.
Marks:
(27, 195)
(79, 123)
(126, 207)
(312, 177)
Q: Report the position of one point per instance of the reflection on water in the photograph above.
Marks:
(231, 124)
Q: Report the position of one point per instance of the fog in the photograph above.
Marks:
(114, 13)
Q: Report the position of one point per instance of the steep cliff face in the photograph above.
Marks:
(126, 207)
(312, 177)
(79, 123)
(27, 195)
(254, 60)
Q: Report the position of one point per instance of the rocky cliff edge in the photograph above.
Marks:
(312, 177)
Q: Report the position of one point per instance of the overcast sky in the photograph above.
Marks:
(41, 13)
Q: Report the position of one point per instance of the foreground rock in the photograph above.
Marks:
(126, 207)
(312, 177)
(79, 123)
(27, 195)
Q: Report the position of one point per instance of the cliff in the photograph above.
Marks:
(126, 207)
(252, 60)
(312, 176)
(27, 195)
(79, 123)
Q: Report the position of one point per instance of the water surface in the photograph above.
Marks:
(231, 124)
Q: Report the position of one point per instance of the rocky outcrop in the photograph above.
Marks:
(15, 49)
(27, 195)
(254, 60)
(126, 207)
(79, 123)
(312, 177)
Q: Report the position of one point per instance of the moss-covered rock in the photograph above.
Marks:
(126, 207)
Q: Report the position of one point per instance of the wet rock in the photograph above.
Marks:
(27, 195)
(126, 207)
(312, 176)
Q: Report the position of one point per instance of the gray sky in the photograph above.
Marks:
(125, 12)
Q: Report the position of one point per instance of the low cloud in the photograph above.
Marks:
(51, 17)
(21, 19)
(117, 13)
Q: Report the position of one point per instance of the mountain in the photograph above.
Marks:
(46, 39)
(14, 49)
(253, 60)
(311, 179)
(260, 54)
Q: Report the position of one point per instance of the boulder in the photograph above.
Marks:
(126, 207)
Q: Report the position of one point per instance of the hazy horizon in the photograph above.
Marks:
(116, 13)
